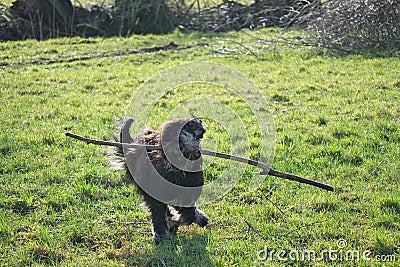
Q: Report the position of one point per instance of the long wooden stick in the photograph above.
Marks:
(266, 170)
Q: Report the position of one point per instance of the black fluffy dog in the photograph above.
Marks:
(171, 198)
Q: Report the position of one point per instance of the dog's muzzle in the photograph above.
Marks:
(191, 152)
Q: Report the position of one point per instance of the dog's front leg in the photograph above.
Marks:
(159, 222)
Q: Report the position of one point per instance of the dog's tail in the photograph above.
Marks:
(117, 157)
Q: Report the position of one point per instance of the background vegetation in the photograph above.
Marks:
(356, 26)
(337, 121)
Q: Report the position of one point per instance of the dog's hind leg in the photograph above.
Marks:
(187, 216)
(201, 217)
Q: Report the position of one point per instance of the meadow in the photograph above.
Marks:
(337, 120)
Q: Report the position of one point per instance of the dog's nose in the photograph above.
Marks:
(199, 133)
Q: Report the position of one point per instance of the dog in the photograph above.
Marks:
(170, 180)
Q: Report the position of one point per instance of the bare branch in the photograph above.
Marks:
(110, 143)
(252, 228)
(266, 170)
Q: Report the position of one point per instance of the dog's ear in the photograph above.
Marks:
(170, 132)
(195, 117)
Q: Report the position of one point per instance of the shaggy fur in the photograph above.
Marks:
(166, 218)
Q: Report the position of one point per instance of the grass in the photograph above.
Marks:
(336, 119)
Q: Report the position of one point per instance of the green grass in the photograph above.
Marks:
(337, 121)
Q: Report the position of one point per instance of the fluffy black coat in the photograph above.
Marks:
(166, 218)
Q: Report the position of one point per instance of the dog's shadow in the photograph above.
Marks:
(181, 250)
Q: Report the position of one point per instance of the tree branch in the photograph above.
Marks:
(266, 170)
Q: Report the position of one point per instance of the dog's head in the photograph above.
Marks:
(186, 133)
(189, 138)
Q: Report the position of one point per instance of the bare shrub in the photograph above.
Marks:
(358, 26)
(232, 15)
(53, 18)
(142, 16)
(42, 18)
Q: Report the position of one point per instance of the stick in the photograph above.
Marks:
(109, 143)
(266, 170)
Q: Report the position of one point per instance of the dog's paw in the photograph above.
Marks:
(157, 237)
(173, 229)
(201, 218)
(172, 226)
